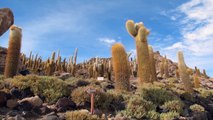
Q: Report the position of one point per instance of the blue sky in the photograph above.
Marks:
(93, 26)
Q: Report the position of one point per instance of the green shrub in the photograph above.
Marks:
(153, 115)
(103, 100)
(197, 108)
(175, 106)
(80, 96)
(157, 96)
(138, 108)
(205, 93)
(77, 82)
(81, 115)
(50, 87)
(169, 115)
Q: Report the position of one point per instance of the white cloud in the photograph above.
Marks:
(107, 41)
(177, 45)
(196, 28)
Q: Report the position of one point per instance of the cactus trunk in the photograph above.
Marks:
(13, 54)
(121, 67)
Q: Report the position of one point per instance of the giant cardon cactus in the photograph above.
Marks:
(184, 76)
(139, 32)
(120, 67)
(13, 53)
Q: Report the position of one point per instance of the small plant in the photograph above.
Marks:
(169, 115)
(77, 82)
(175, 106)
(81, 115)
(50, 87)
(138, 108)
(158, 96)
(205, 93)
(103, 100)
(153, 115)
(197, 108)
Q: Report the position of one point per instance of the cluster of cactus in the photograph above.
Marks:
(100, 68)
(139, 32)
(13, 53)
(51, 65)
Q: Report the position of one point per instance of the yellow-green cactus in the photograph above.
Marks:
(204, 73)
(13, 53)
(166, 68)
(120, 67)
(184, 76)
(196, 81)
(140, 33)
(152, 63)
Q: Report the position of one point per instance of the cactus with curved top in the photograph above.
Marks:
(139, 32)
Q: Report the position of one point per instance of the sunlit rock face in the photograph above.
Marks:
(3, 53)
(6, 20)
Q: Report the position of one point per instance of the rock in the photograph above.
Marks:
(52, 116)
(200, 116)
(12, 103)
(19, 117)
(24, 72)
(12, 113)
(34, 101)
(61, 116)
(45, 110)
(64, 76)
(2, 98)
(37, 110)
(16, 93)
(64, 103)
(6, 20)
(27, 93)
(25, 106)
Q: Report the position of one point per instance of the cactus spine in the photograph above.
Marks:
(121, 67)
(184, 76)
(140, 33)
(152, 63)
(13, 53)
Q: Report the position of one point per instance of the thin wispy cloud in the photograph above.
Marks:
(195, 19)
(107, 41)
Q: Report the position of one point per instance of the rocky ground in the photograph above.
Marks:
(19, 100)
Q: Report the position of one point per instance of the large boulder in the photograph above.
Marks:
(6, 20)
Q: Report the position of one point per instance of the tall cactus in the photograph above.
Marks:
(121, 67)
(184, 76)
(204, 73)
(140, 33)
(13, 53)
(152, 63)
(196, 81)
